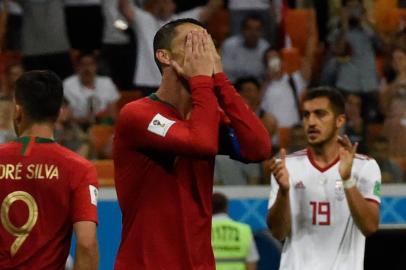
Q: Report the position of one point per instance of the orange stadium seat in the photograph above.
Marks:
(105, 171)
(297, 23)
(100, 137)
(218, 26)
(386, 15)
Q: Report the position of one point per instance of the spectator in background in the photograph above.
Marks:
(390, 171)
(263, 9)
(69, 134)
(92, 97)
(355, 42)
(242, 54)
(44, 41)
(118, 49)
(393, 105)
(11, 74)
(233, 244)
(146, 23)
(6, 120)
(232, 172)
(354, 127)
(11, 16)
(282, 91)
(84, 22)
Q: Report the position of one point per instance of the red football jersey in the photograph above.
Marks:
(44, 190)
(164, 174)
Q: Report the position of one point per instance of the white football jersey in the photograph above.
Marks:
(323, 233)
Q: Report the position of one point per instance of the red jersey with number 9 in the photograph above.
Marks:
(44, 190)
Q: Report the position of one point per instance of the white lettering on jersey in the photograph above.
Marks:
(93, 194)
(160, 125)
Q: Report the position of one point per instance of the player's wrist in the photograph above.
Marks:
(349, 183)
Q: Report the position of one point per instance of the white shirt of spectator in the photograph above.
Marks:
(253, 256)
(80, 97)
(279, 100)
(146, 25)
(248, 4)
(323, 233)
(240, 61)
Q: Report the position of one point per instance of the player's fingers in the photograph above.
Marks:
(205, 41)
(195, 42)
(177, 67)
(188, 46)
(354, 148)
(282, 153)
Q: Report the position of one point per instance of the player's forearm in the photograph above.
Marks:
(279, 220)
(87, 257)
(252, 136)
(364, 213)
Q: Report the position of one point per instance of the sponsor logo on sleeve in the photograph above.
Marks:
(94, 193)
(377, 188)
(160, 125)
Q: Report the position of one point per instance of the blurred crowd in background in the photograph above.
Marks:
(272, 50)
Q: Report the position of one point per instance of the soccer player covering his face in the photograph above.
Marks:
(46, 191)
(164, 151)
(324, 200)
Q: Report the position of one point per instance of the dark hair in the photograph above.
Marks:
(90, 54)
(165, 35)
(335, 97)
(220, 203)
(251, 17)
(40, 94)
(243, 80)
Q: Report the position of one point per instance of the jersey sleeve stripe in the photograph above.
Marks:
(373, 200)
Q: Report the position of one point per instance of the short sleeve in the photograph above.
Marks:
(84, 197)
(369, 181)
(274, 192)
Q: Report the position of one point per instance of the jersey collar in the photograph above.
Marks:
(28, 141)
(321, 169)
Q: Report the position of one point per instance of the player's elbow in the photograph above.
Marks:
(259, 150)
(370, 229)
(278, 233)
(87, 247)
(207, 149)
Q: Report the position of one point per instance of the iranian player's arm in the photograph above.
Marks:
(363, 197)
(197, 136)
(84, 216)
(253, 138)
(279, 213)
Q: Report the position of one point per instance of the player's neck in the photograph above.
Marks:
(175, 93)
(326, 153)
(42, 130)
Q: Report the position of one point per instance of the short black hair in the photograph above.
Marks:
(220, 203)
(335, 97)
(251, 17)
(40, 93)
(243, 80)
(164, 36)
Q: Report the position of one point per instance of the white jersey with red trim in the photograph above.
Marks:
(323, 233)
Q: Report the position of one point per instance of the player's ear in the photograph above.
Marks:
(163, 57)
(341, 120)
(18, 112)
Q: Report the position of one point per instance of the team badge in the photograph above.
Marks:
(339, 190)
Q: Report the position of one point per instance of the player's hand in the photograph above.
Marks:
(278, 169)
(198, 58)
(347, 153)
(218, 66)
